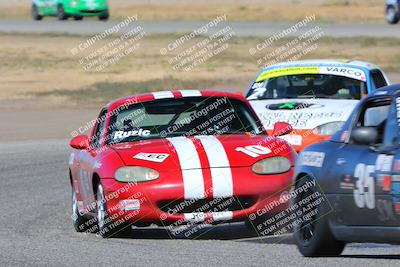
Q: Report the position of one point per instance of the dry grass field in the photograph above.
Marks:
(336, 11)
(41, 67)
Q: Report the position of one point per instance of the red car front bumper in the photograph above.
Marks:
(162, 201)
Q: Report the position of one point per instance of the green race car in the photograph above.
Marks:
(63, 9)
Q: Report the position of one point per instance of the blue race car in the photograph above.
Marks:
(356, 177)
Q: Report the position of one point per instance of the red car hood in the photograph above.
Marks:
(200, 151)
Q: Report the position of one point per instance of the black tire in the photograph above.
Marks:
(81, 224)
(61, 15)
(107, 227)
(104, 17)
(313, 236)
(392, 17)
(35, 13)
(78, 17)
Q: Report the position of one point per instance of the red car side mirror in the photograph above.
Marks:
(80, 142)
(281, 128)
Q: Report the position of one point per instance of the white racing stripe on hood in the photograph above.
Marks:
(221, 173)
(189, 160)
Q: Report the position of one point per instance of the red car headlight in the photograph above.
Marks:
(272, 165)
(136, 174)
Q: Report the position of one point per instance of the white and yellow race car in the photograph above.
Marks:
(315, 96)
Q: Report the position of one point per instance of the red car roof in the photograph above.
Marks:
(171, 95)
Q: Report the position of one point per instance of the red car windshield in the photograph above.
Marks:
(182, 117)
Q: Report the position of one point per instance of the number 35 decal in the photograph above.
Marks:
(364, 189)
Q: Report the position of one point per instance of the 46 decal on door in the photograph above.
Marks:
(364, 188)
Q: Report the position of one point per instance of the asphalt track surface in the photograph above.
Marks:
(260, 29)
(36, 227)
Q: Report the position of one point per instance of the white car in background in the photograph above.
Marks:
(315, 96)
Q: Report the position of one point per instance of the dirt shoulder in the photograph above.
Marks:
(43, 124)
(41, 71)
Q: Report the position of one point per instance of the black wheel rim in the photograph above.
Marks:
(74, 206)
(307, 232)
(306, 228)
(101, 207)
(390, 14)
(60, 12)
(35, 12)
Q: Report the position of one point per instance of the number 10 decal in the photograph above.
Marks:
(363, 198)
(254, 150)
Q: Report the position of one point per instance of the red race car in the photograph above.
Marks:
(176, 157)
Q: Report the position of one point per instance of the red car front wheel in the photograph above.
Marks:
(108, 227)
